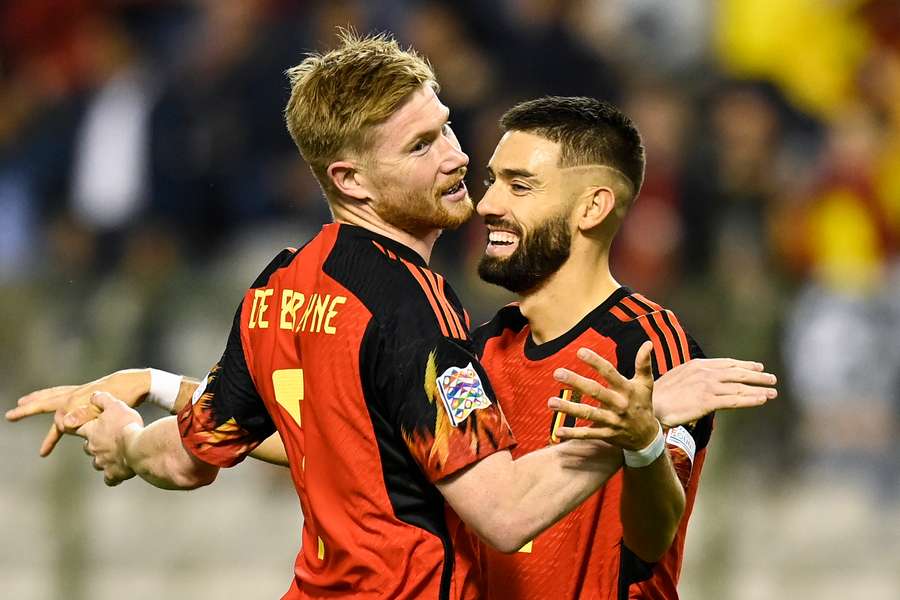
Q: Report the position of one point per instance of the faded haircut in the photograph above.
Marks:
(589, 132)
(339, 96)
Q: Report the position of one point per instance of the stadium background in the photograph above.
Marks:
(146, 176)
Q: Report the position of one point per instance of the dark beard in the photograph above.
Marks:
(538, 256)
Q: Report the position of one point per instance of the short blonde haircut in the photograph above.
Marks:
(338, 97)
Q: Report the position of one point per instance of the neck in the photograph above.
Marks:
(580, 285)
(363, 216)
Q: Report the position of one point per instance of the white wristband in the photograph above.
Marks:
(164, 388)
(643, 457)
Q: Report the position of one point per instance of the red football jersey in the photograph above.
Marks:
(360, 357)
(583, 555)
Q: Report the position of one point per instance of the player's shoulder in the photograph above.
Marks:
(396, 285)
(632, 319)
(508, 319)
(282, 260)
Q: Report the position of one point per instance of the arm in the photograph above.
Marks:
(122, 447)
(508, 502)
(72, 407)
(650, 500)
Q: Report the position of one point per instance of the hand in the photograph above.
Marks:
(703, 385)
(624, 416)
(131, 385)
(106, 436)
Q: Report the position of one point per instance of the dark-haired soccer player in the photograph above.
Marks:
(560, 182)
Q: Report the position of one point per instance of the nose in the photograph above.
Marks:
(488, 204)
(454, 158)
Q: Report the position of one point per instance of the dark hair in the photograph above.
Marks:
(589, 132)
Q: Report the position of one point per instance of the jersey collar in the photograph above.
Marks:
(535, 351)
(401, 250)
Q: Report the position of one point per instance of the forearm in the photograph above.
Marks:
(652, 504)
(156, 454)
(507, 502)
(270, 451)
(548, 484)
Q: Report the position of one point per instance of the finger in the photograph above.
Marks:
(741, 389)
(40, 402)
(585, 433)
(643, 369)
(86, 430)
(50, 440)
(603, 368)
(741, 375)
(735, 401)
(78, 417)
(45, 394)
(585, 412)
(725, 363)
(585, 385)
(102, 400)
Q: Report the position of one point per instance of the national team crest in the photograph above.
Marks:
(462, 392)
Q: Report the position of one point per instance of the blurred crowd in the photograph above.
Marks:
(146, 175)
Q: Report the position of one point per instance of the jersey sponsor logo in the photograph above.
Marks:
(462, 392)
(680, 437)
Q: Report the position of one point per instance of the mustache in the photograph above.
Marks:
(494, 221)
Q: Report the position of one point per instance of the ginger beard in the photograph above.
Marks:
(415, 211)
(537, 256)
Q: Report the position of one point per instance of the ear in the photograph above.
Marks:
(597, 204)
(348, 180)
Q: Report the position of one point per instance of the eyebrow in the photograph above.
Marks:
(512, 173)
(430, 131)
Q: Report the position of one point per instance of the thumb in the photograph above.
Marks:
(643, 369)
(79, 417)
(102, 400)
(86, 430)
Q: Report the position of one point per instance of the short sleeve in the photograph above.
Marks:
(226, 419)
(436, 394)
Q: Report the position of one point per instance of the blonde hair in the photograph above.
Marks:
(337, 97)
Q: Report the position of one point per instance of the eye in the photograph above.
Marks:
(420, 146)
(488, 181)
(519, 188)
(446, 129)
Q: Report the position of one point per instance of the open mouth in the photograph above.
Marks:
(501, 242)
(457, 192)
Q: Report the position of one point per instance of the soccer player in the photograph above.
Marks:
(360, 357)
(561, 181)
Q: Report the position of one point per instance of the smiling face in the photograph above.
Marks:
(528, 212)
(416, 168)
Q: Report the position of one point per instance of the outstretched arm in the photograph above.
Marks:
(71, 407)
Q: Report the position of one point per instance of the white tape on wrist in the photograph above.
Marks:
(643, 457)
(164, 388)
